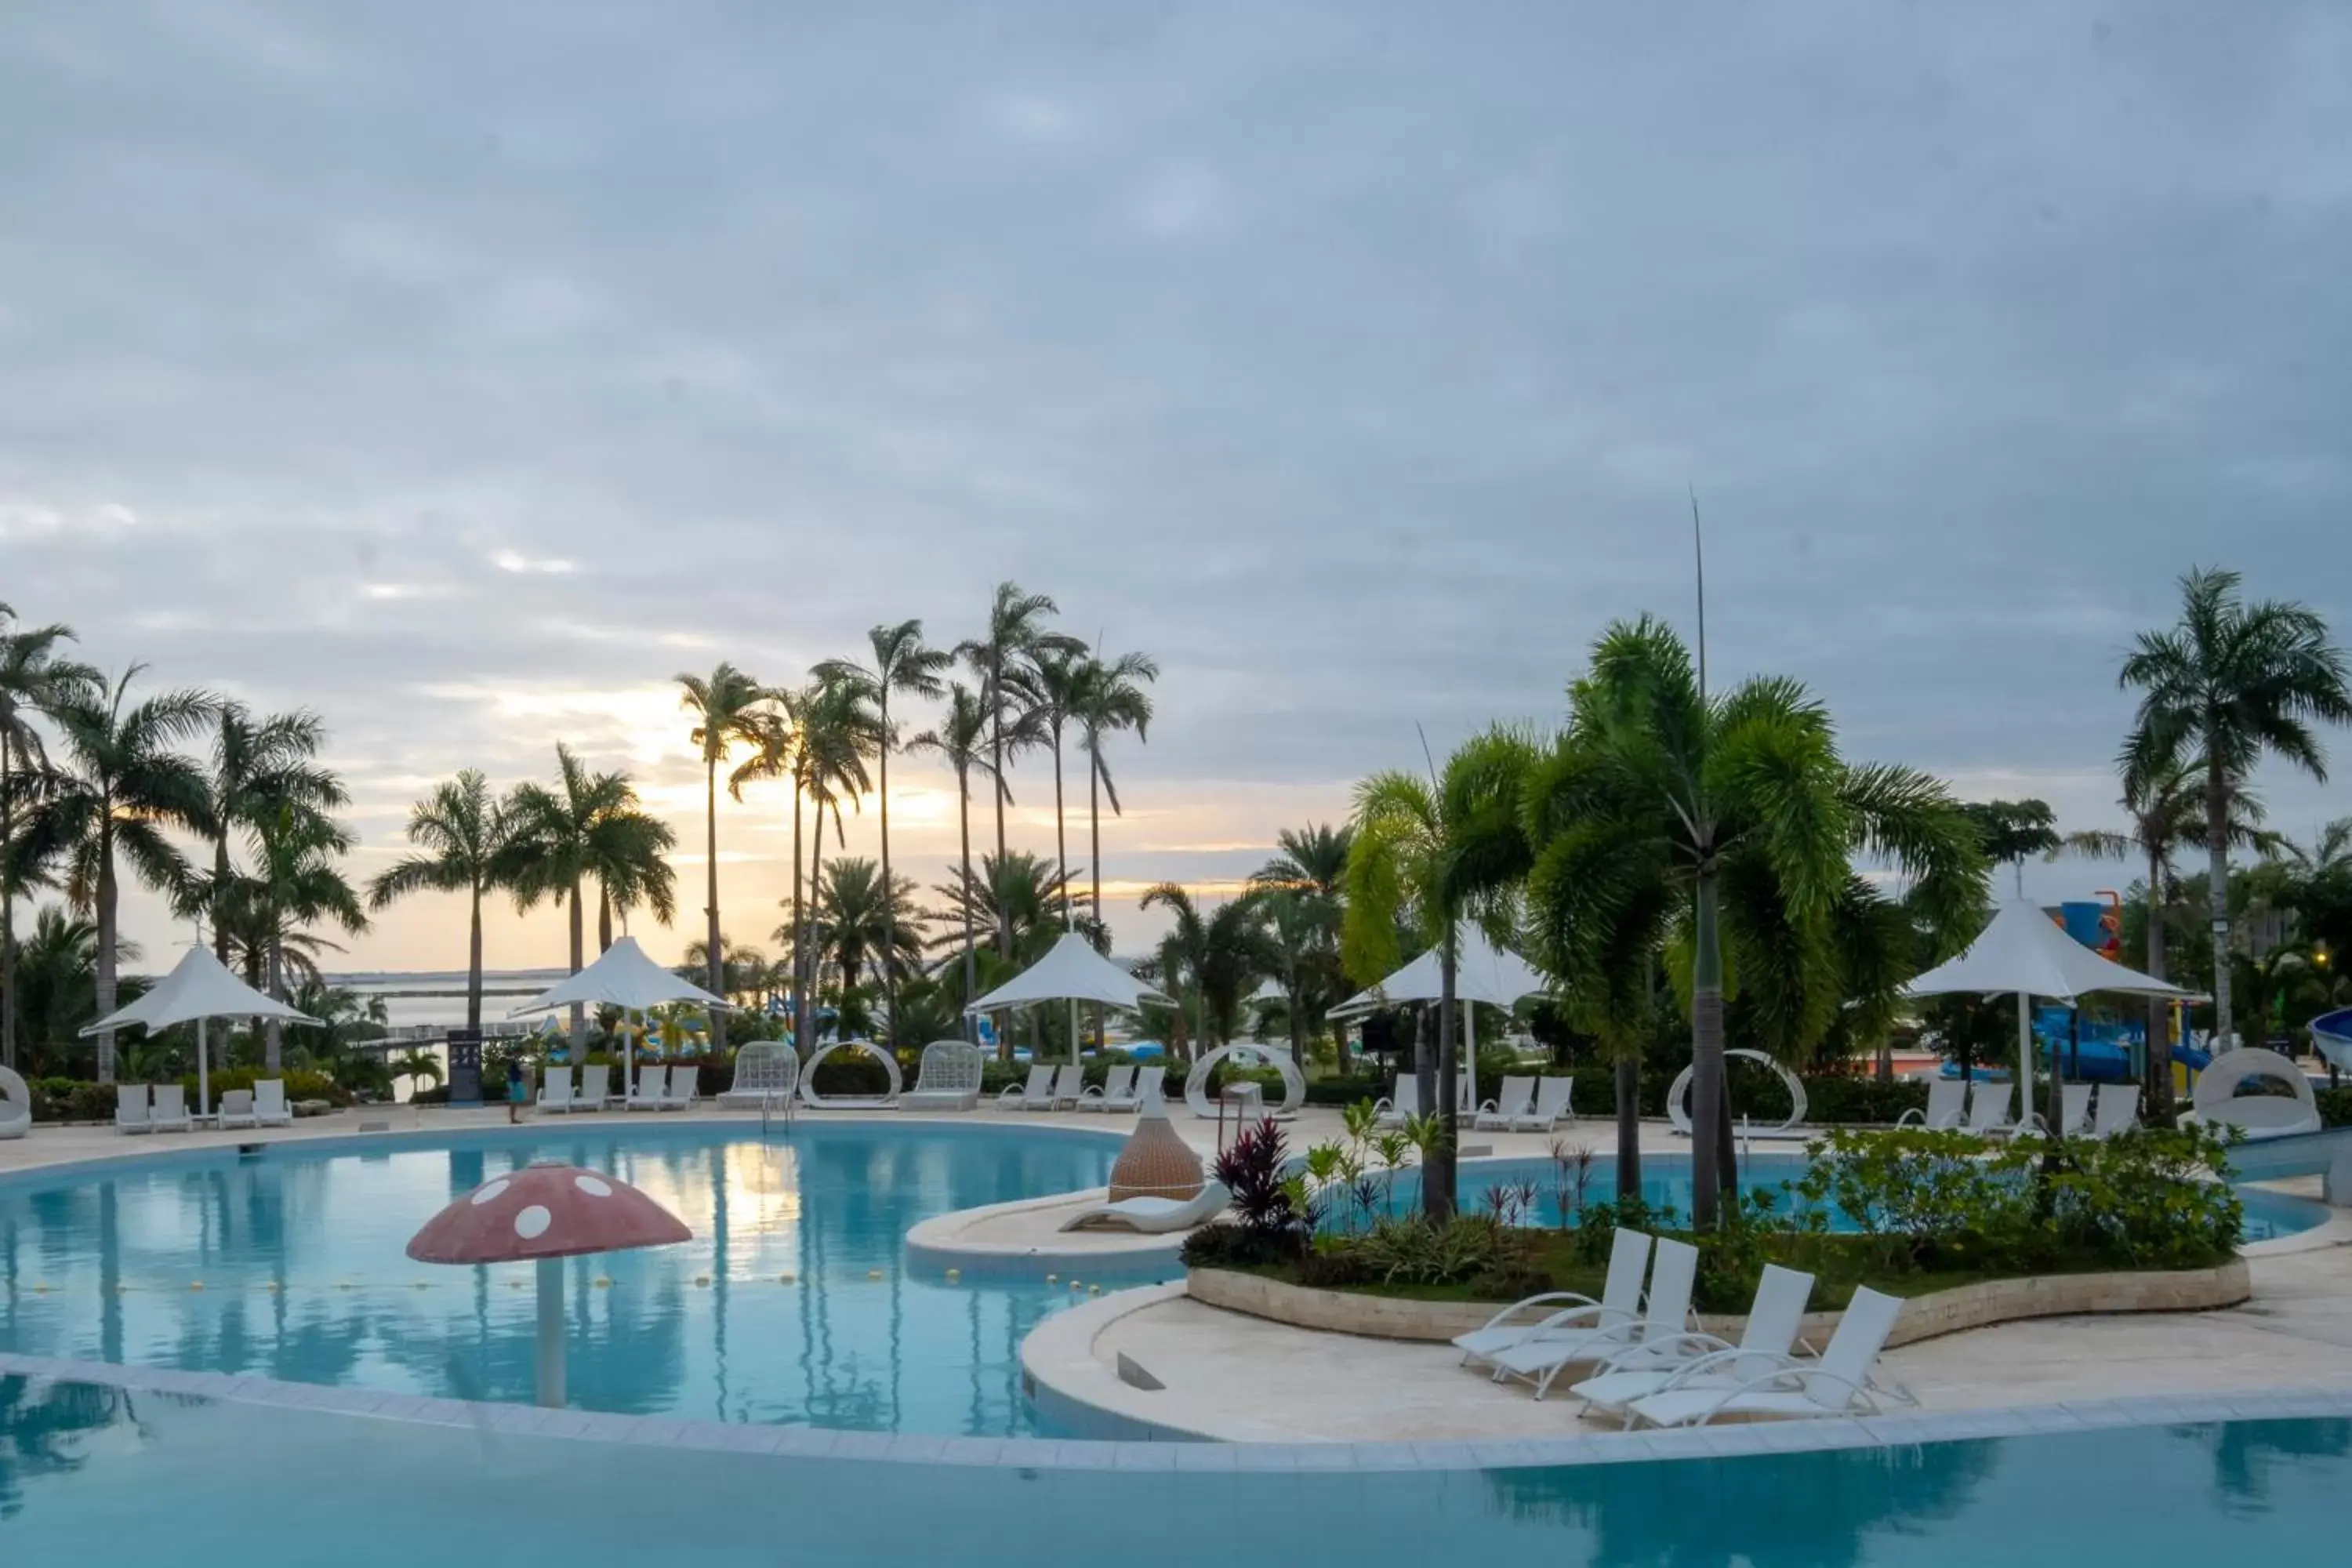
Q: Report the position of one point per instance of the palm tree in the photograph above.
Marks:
(560, 838)
(1728, 821)
(58, 973)
(465, 834)
(1306, 880)
(2228, 683)
(1311, 860)
(259, 767)
(836, 729)
(1220, 954)
(1004, 661)
(1428, 855)
(33, 680)
(122, 786)
(296, 880)
(2164, 801)
(416, 1065)
(857, 929)
(730, 709)
(959, 741)
(902, 664)
(1110, 700)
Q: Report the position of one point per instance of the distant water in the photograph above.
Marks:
(436, 998)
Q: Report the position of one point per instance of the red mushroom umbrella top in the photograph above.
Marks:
(545, 1210)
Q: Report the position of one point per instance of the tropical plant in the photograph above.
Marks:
(959, 741)
(1219, 954)
(835, 728)
(1426, 855)
(903, 666)
(2229, 683)
(57, 977)
(1726, 822)
(465, 834)
(261, 769)
(560, 838)
(33, 680)
(743, 971)
(730, 708)
(2164, 804)
(120, 787)
(417, 1066)
(1304, 884)
(296, 879)
(1111, 700)
(1004, 661)
(859, 932)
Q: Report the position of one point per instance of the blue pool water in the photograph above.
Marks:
(1666, 1180)
(95, 1475)
(300, 1260)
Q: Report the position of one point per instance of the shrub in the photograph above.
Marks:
(298, 1085)
(2335, 1107)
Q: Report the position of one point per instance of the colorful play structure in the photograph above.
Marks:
(2108, 1051)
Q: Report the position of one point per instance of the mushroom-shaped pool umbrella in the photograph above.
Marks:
(546, 1211)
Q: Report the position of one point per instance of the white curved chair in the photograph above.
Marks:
(815, 1101)
(2218, 1102)
(1294, 1082)
(1155, 1216)
(946, 1079)
(1678, 1099)
(16, 1105)
(766, 1073)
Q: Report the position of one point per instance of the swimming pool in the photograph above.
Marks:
(794, 1303)
(102, 1475)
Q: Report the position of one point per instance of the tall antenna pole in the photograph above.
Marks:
(1698, 554)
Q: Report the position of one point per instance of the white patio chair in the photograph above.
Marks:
(269, 1107)
(2115, 1110)
(555, 1093)
(1839, 1383)
(1665, 1315)
(171, 1112)
(947, 1077)
(1395, 1111)
(1117, 1084)
(1070, 1084)
(1552, 1106)
(653, 1088)
(1155, 1216)
(1621, 1302)
(1989, 1107)
(683, 1082)
(131, 1108)
(1948, 1106)
(236, 1109)
(1037, 1094)
(1694, 1361)
(595, 1086)
(1146, 1090)
(1514, 1101)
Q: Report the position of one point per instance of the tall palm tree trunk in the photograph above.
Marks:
(603, 921)
(996, 782)
(2159, 1011)
(800, 935)
(8, 898)
(474, 963)
(970, 959)
(1437, 1197)
(106, 922)
(710, 849)
(1061, 844)
(1707, 1109)
(273, 1048)
(816, 870)
(2217, 892)
(889, 902)
(1629, 1123)
(1094, 855)
(220, 896)
(579, 957)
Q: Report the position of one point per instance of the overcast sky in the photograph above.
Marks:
(464, 372)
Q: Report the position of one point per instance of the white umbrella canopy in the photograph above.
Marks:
(2024, 952)
(1482, 973)
(1072, 971)
(200, 986)
(623, 976)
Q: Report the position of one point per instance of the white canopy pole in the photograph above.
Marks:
(2025, 1055)
(204, 1077)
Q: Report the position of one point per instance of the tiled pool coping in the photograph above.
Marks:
(1034, 1454)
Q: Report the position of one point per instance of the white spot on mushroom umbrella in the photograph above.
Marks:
(488, 1192)
(532, 1222)
(594, 1187)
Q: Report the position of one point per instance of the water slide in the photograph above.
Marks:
(2331, 1037)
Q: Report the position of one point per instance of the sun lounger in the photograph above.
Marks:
(1037, 1094)
(1839, 1383)
(555, 1094)
(1989, 1107)
(1551, 1107)
(1515, 1101)
(948, 1078)
(683, 1081)
(2073, 1110)
(1069, 1086)
(171, 1112)
(269, 1107)
(1155, 1216)
(1405, 1104)
(1145, 1092)
(1948, 1106)
(653, 1088)
(1117, 1084)
(130, 1110)
(594, 1090)
(236, 1109)
(1621, 1302)
(1666, 1316)
(1694, 1360)
(2115, 1110)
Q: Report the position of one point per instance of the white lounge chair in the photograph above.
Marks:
(130, 1110)
(948, 1078)
(1693, 1360)
(767, 1076)
(171, 1112)
(2115, 1110)
(1118, 1085)
(16, 1105)
(236, 1109)
(555, 1093)
(1838, 1384)
(653, 1088)
(1621, 1302)
(1069, 1085)
(1405, 1104)
(1514, 1101)
(595, 1091)
(269, 1107)
(1145, 1091)
(1948, 1106)
(683, 1081)
(1037, 1094)
(1552, 1106)
(2073, 1113)
(1666, 1316)
(1989, 1107)
(1155, 1216)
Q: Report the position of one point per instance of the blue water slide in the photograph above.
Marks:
(2331, 1037)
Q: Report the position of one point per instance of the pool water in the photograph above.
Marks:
(96, 1475)
(794, 1302)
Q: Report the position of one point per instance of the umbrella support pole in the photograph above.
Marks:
(551, 1332)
